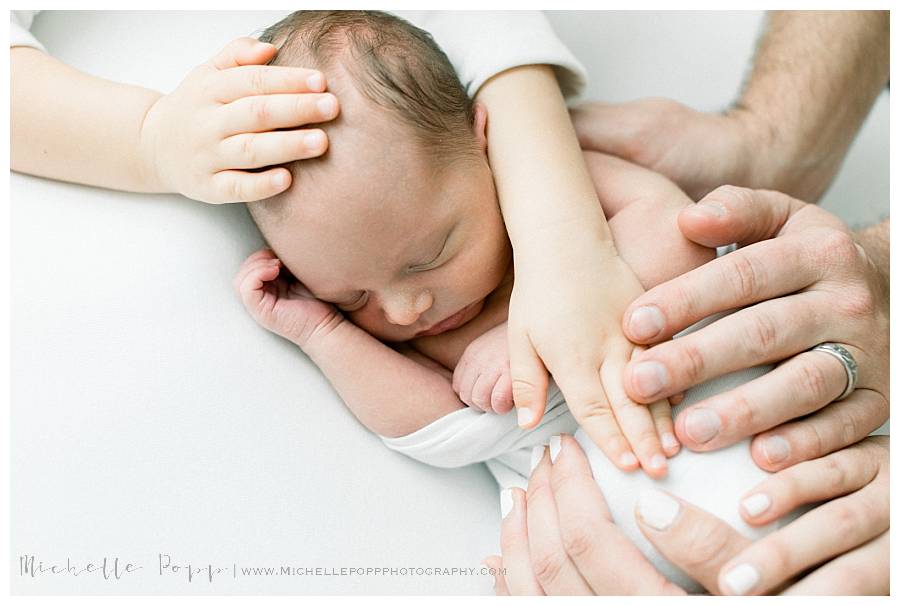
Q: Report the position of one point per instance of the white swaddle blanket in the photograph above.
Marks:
(713, 480)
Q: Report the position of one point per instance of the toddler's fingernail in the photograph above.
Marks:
(669, 441)
(326, 105)
(537, 453)
(776, 449)
(524, 416)
(646, 322)
(314, 140)
(657, 509)
(709, 209)
(702, 425)
(627, 459)
(741, 579)
(657, 461)
(650, 378)
(506, 502)
(756, 504)
(280, 180)
(315, 82)
(555, 446)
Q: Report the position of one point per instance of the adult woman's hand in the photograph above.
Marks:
(806, 280)
(559, 537)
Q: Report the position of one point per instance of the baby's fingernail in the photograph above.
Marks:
(555, 446)
(657, 461)
(756, 504)
(524, 416)
(657, 509)
(669, 441)
(314, 140)
(776, 449)
(326, 105)
(537, 453)
(627, 459)
(650, 378)
(741, 579)
(506, 502)
(315, 82)
(702, 425)
(708, 209)
(646, 322)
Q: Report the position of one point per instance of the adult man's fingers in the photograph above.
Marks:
(694, 540)
(851, 521)
(741, 278)
(243, 51)
(606, 558)
(863, 571)
(837, 425)
(799, 386)
(551, 564)
(520, 578)
(824, 478)
(529, 379)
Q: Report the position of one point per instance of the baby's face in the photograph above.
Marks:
(403, 249)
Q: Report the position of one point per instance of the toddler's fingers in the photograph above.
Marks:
(529, 379)
(243, 51)
(501, 397)
(262, 113)
(601, 426)
(253, 80)
(255, 150)
(241, 186)
(482, 389)
(665, 428)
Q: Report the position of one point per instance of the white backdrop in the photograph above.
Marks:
(151, 415)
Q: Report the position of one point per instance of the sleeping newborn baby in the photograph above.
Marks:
(389, 265)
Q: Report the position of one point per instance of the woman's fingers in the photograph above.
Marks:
(850, 521)
(551, 564)
(495, 564)
(863, 571)
(835, 475)
(252, 80)
(799, 386)
(609, 562)
(697, 542)
(255, 150)
(520, 579)
(268, 112)
(837, 425)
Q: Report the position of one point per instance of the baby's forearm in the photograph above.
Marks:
(390, 393)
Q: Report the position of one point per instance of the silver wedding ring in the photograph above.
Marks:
(847, 360)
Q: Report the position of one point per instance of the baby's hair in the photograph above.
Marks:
(392, 63)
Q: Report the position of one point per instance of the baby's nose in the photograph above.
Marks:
(406, 310)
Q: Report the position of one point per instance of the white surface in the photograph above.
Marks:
(151, 415)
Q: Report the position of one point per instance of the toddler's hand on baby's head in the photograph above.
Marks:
(280, 305)
(481, 378)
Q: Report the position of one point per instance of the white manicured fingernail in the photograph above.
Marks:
(658, 462)
(627, 459)
(524, 416)
(741, 579)
(537, 453)
(555, 446)
(657, 509)
(756, 504)
(776, 449)
(506, 502)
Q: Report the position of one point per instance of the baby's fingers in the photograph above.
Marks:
(482, 389)
(501, 397)
(251, 286)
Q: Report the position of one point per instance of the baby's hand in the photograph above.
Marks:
(286, 308)
(481, 379)
(200, 139)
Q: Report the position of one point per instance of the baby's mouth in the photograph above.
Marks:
(449, 323)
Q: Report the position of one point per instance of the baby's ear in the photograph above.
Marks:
(480, 126)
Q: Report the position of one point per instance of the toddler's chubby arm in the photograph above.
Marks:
(392, 393)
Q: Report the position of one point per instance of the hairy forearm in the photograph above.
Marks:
(71, 126)
(815, 77)
(542, 182)
(388, 392)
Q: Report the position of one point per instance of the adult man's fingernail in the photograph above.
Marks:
(524, 416)
(537, 453)
(776, 449)
(506, 502)
(709, 209)
(702, 425)
(555, 447)
(657, 509)
(756, 504)
(741, 579)
(650, 378)
(646, 322)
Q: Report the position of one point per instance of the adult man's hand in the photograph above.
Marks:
(807, 281)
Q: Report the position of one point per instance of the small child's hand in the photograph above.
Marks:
(223, 119)
(481, 379)
(286, 308)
